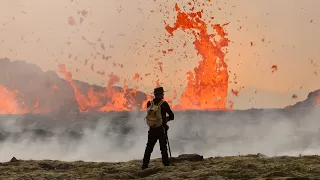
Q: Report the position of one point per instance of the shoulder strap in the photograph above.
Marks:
(151, 103)
(160, 103)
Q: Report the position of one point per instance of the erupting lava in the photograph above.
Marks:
(9, 103)
(207, 86)
(109, 100)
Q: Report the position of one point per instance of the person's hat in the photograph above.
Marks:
(158, 90)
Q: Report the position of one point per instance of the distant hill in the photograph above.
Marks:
(43, 91)
(46, 91)
(310, 102)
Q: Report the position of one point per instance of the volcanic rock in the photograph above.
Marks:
(46, 166)
(259, 155)
(64, 166)
(187, 157)
(14, 159)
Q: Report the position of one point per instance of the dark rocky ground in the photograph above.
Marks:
(232, 167)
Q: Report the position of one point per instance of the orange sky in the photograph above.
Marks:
(38, 32)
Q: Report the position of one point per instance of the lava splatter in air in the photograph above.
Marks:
(207, 86)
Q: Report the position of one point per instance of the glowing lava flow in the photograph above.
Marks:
(9, 103)
(111, 99)
(207, 86)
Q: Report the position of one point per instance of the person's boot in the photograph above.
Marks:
(165, 158)
(165, 162)
(144, 167)
(145, 161)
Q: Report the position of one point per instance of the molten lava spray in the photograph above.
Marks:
(207, 86)
(9, 103)
(111, 99)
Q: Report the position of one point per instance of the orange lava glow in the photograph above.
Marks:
(207, 86)
(110, 99)
(317, 100)
(9, 103)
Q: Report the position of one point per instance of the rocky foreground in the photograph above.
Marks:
(184, 167)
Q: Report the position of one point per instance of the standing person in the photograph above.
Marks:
(157, 120)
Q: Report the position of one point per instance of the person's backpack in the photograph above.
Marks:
(154, 117)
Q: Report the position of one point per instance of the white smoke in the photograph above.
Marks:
(207, 133)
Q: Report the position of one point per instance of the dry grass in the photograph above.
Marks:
(235, 167)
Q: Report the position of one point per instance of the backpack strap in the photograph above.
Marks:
(151, 103)
(160, 103)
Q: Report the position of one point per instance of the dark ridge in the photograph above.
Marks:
(35, 85)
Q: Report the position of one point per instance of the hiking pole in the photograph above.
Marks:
(168, 143)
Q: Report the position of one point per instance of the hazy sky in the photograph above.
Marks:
(38, 31)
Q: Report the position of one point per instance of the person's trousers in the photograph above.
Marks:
(153, 135)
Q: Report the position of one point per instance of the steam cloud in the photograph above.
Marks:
(123, 136)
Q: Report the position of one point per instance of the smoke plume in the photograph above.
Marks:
(123, 136)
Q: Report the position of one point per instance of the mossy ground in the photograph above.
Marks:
(233, 167)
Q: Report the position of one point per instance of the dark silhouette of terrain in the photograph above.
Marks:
(50, 92)
(310, 102)
(47, 89)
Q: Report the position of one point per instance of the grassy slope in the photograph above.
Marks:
(236, 167)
